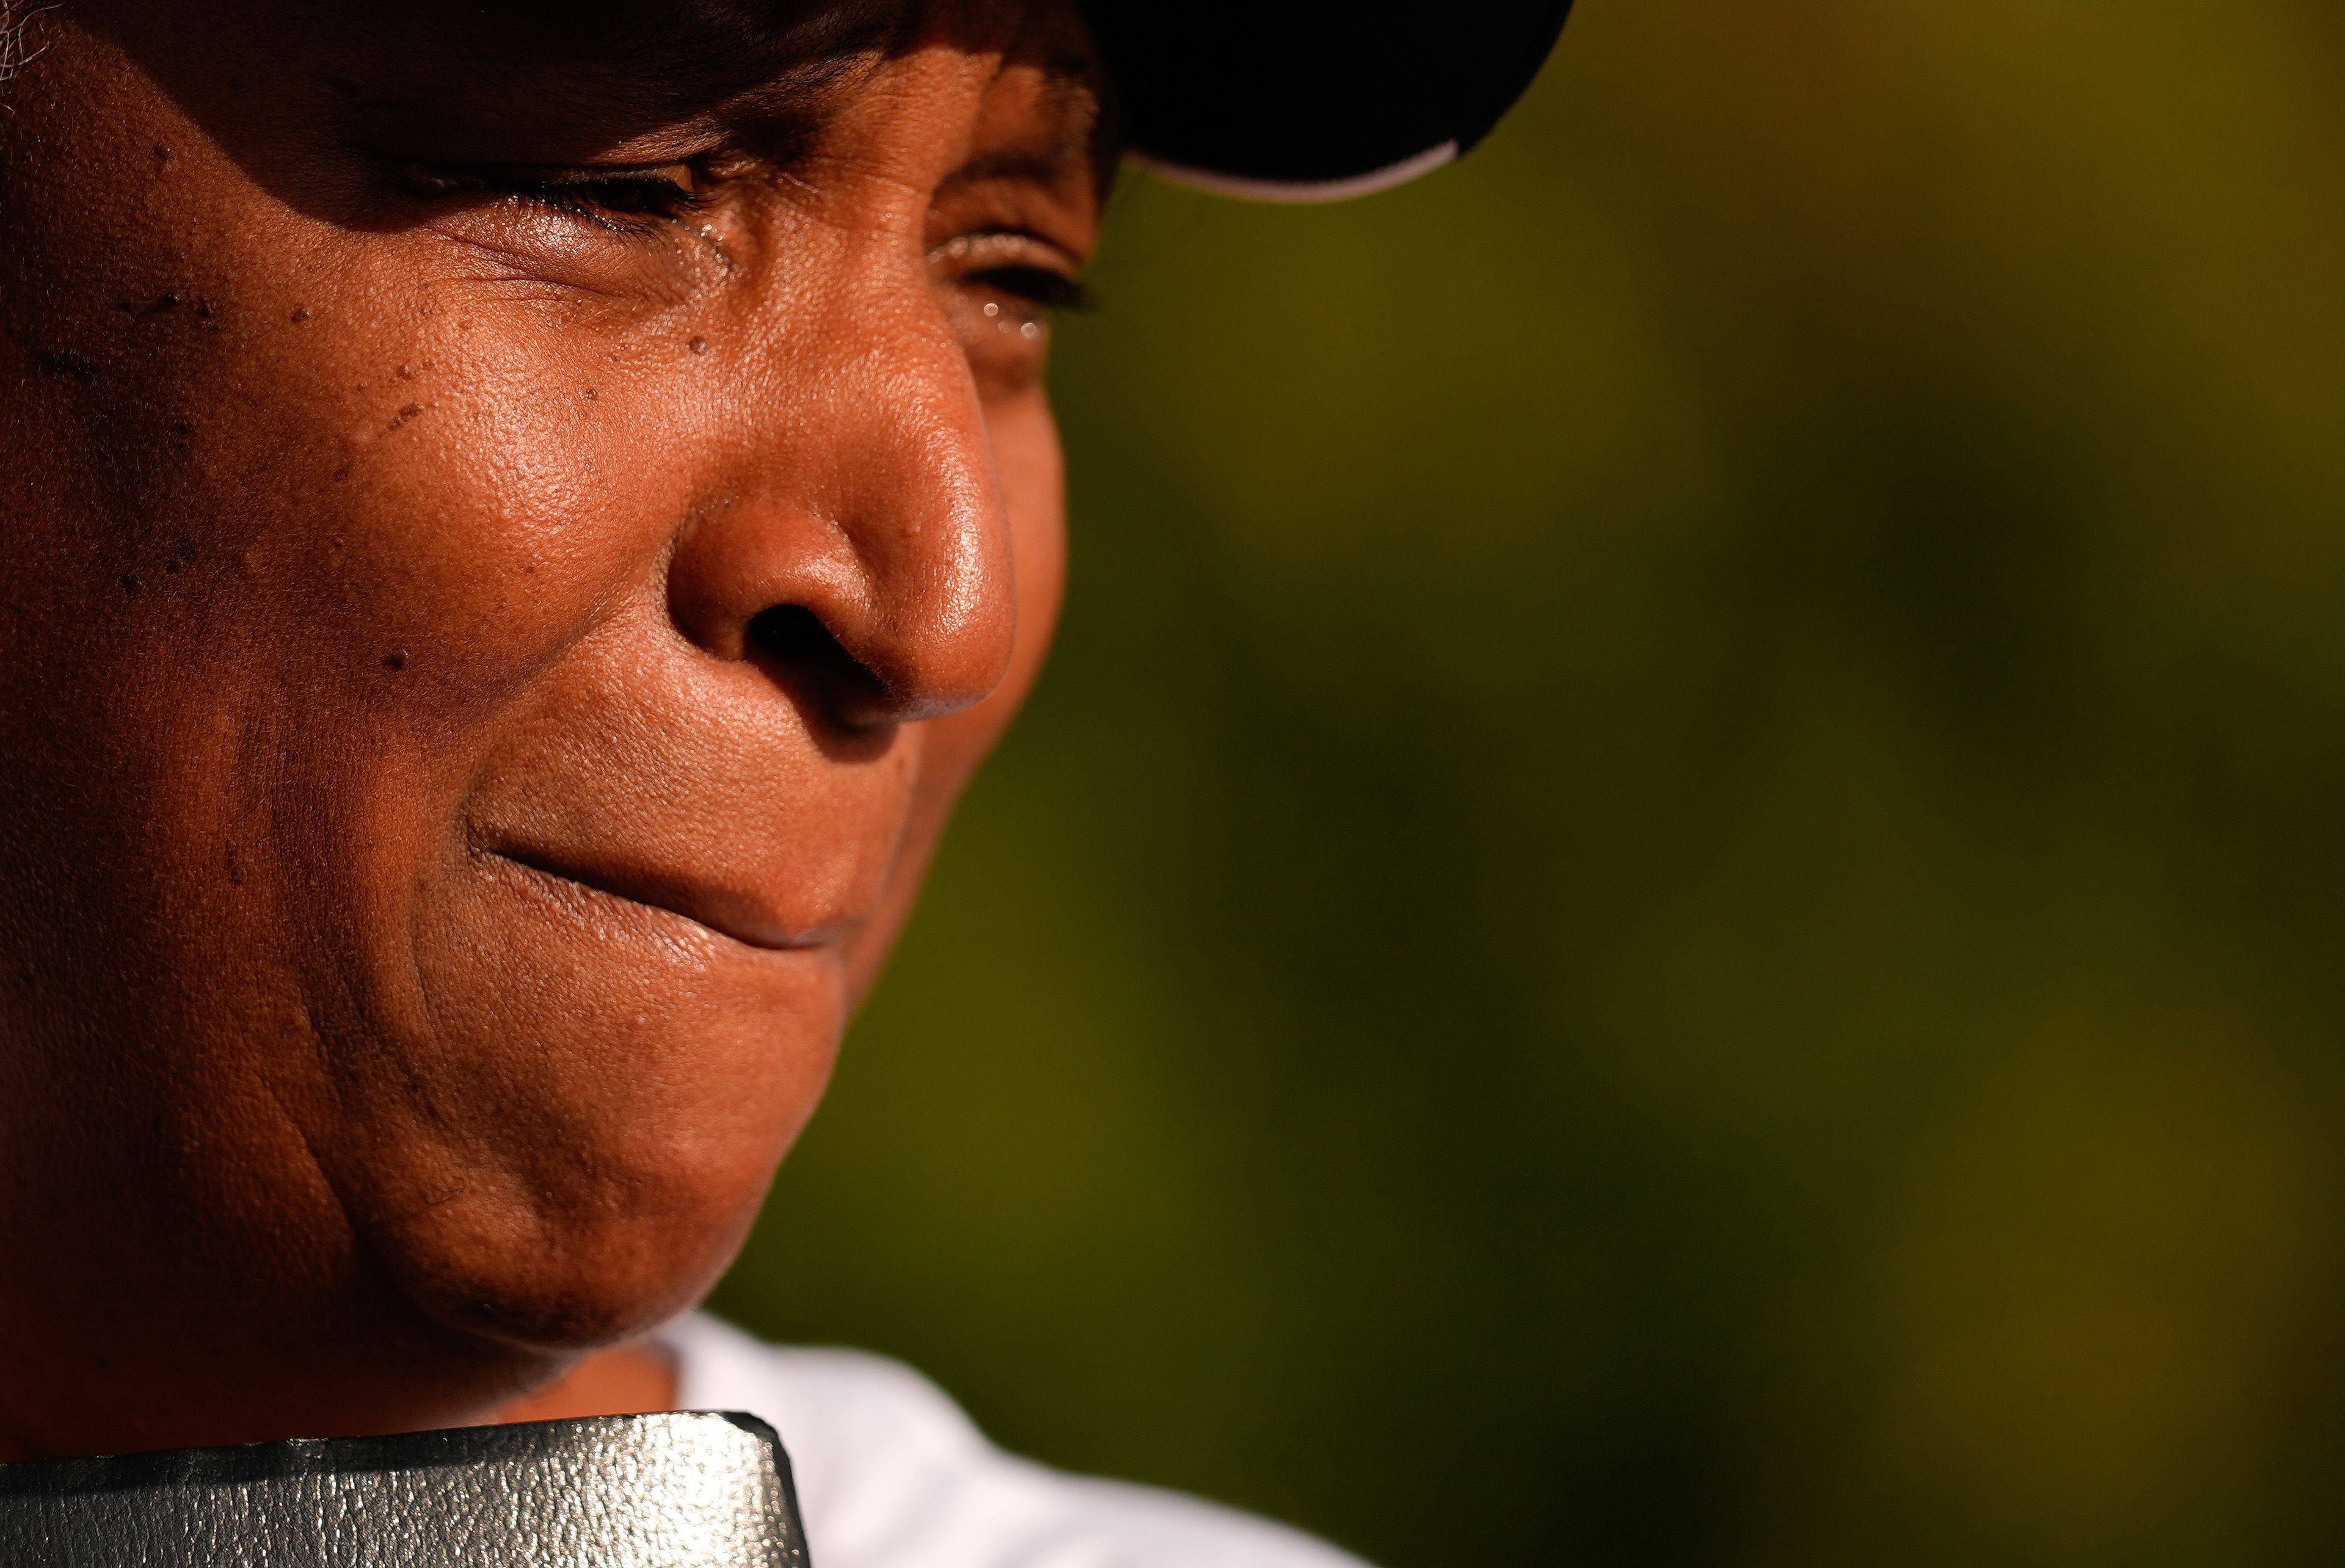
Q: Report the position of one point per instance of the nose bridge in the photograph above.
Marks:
(861, 508)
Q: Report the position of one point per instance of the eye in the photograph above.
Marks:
(617, 198)
(1044, 287)
(1010, 280)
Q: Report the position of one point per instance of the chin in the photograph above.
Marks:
(583, 1241)
(508, 1274)
(573, 1151)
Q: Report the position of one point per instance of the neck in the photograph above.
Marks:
(630, 1379)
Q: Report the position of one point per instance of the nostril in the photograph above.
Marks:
(791, 641)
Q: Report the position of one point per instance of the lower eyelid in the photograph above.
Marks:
(1040, 280)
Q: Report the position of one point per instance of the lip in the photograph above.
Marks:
(741, 917)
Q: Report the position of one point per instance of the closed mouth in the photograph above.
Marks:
(724, 915)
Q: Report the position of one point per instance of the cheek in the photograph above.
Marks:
(558, 1121)
(1034, 487)
(466, 500)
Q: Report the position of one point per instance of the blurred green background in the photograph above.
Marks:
(1678, 893)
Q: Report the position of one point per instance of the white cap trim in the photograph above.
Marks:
(1281, 190)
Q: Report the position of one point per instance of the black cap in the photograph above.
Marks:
(1313, 100)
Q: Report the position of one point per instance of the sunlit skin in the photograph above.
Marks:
(517, 534)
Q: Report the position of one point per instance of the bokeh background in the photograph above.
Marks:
(1677, 895)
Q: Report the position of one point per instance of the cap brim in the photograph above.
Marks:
(1307, 100)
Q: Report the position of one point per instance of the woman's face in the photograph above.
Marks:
(518, 530)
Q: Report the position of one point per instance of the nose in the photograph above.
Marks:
(856, 543)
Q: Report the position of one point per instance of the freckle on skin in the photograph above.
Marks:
(395, 661)
(300, 313)
(342, 473)
(409, 411)
(700, 345)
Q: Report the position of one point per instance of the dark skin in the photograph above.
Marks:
(519, 529)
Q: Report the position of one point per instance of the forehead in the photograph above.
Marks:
(667, 57)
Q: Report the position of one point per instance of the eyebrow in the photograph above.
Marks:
(658, 61)
(1070, 141)
(715, 50)
(664, 60)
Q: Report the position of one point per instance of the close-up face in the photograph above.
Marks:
(519, 528)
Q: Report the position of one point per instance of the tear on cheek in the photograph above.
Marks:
(1025, 325)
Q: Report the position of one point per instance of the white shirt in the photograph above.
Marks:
(891, 1475)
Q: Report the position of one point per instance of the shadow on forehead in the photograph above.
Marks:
(718, 50)
(551, 82)
(719, 47)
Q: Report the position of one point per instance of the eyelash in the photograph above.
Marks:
(620, 200)
(1039, 286)
(617, 201)
(630, 203)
